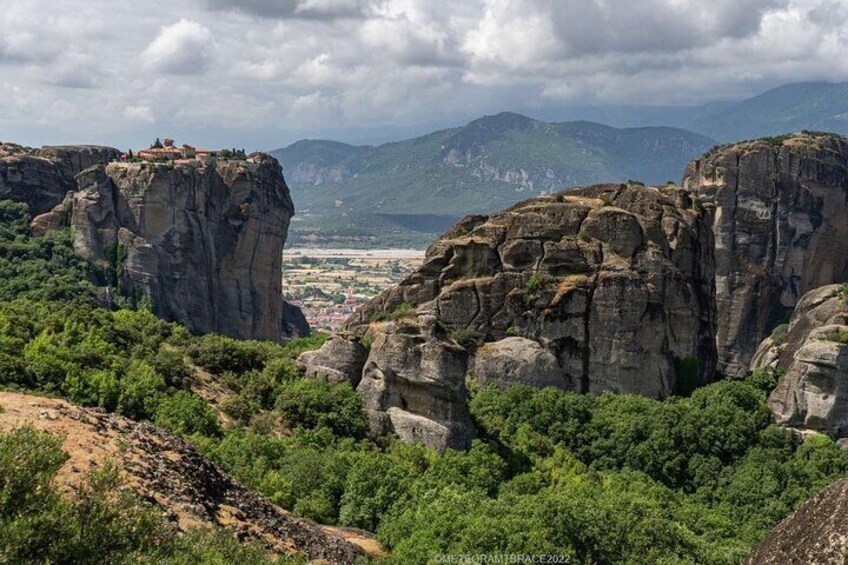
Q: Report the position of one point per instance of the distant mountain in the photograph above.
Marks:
(820, 106)
(404, 192)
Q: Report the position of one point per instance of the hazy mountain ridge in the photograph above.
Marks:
(820, 106)
(487, 164)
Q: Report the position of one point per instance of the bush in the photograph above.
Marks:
(219, 354)
(538, 282)
(317, 403)
(839, 336)
(141, 388)
(778, 334)
(186, 414)
(468, 338)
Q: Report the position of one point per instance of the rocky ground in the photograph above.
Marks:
(167, 472)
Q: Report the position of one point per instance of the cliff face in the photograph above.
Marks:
(204, 244)
(614, 282)
(779, 212)
(42, 177)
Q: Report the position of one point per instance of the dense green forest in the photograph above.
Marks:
(600, 479)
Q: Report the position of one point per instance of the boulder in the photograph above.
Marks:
(816, 533)
(338, 360)
(517, 361)
(778, 211)
(413, 384)
(813, 392)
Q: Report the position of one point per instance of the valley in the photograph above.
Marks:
(329, 284)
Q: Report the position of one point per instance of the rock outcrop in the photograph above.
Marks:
(816, 534)
(779, 212)
(202, 243)
(813, 392)
(42, 177)
(170, 474)
(413, 384)
(516, 361)
(613, 282)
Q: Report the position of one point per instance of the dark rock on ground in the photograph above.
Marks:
(172, 475)
(816, 534)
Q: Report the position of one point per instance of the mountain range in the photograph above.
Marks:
(404, 192)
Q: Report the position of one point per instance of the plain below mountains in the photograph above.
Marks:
(403, 192)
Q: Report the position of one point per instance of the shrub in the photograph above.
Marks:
(28, 461)
(467, 338)
(778, 334)
(185, 414)
(316, 403)
(141, 387)
(839, 336)
(764, 379)
(218, 354)
(538, 282)
(241, 408)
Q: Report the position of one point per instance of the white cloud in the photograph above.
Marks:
(139, 114)
(182, 48)
(260, 70)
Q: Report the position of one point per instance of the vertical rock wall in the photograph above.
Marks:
(779, 212)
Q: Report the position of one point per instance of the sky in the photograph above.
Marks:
(260, 74)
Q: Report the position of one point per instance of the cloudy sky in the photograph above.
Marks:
(262, 73)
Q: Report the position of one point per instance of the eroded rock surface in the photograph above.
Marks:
(816, 534)
(612, 283)
(813, 392)
(614, 280)
(517, 361)
(42, 177)
(413, 384)
(202, 243)
(779, 211)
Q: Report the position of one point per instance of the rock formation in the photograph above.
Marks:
(813, 392)
(170, 474)
(779, 211)
(413, 382)
(202, 243)
(516, 361)
(613, 282)
(817, 533)
(42, 177)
